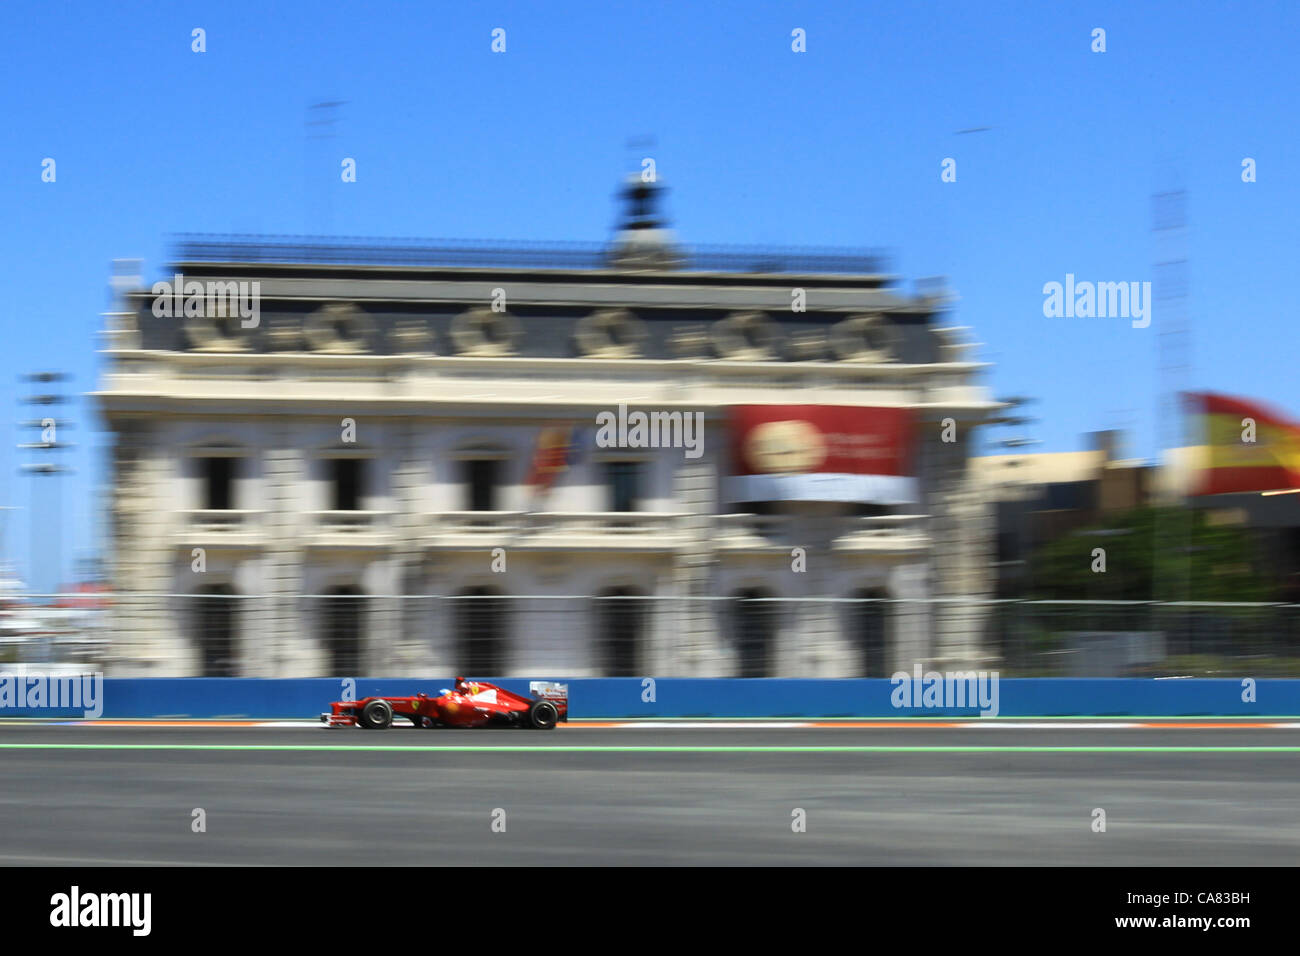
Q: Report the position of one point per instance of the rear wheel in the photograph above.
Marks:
(543, 714)
(377, 715)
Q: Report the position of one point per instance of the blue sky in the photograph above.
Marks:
(840, 145)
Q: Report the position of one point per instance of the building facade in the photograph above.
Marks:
(345, 482)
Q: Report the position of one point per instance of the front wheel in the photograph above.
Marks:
(543, 715)
(377, 715)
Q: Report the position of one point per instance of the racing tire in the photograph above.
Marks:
(543, 715)
(376, 715)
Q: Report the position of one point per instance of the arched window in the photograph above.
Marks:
(868, 630)
(351, 481)
(215, 620)
(343, 618)
(219, 469)
(754, 631)
(621, 617)
(481, 632)
(483, 470)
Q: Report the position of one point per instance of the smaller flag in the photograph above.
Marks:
(556, 450)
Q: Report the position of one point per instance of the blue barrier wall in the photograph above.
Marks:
(1016, 697)
(254, 698)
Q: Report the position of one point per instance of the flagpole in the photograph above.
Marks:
(1173, 534)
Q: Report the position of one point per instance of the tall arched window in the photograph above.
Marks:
(621, 616)
(215, 631)
(754, 631)
(868, 630)
(342, 632)
(481, 632)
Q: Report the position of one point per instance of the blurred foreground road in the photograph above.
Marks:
(406, 806)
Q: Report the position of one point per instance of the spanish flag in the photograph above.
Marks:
(1245, 447)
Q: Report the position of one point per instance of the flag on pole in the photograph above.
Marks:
(1247, 447)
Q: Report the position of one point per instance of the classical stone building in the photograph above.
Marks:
(344, 481)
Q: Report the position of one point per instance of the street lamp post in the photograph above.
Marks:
(1017, 446)
(44, 451)
(1014, 575)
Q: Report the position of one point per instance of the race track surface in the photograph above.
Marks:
(1189, 792)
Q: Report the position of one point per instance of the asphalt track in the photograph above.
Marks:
(1191, 792)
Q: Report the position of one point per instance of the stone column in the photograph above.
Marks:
(149, 637)
(960, 530)
(129, 502)
(814, 647)
(409, 653)
(281, 628)
(690, 648)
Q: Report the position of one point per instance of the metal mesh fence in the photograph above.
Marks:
(1155, 639)
(482, 633)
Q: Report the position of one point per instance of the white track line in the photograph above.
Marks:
(711, 725)
(990, 725)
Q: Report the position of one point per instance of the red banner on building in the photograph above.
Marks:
(821, 453)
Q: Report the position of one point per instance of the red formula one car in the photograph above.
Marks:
(469, 704)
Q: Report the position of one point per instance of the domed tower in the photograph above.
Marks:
(643, 240)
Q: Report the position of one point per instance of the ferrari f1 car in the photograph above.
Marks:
(468, 704)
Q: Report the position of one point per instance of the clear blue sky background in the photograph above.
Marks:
(840, 145)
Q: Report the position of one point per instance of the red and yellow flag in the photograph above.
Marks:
(552, 456)
(1246, 447)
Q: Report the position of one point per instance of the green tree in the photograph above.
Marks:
(1167, 554)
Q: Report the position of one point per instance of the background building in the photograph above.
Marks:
(345, 487)
(1040, 497)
